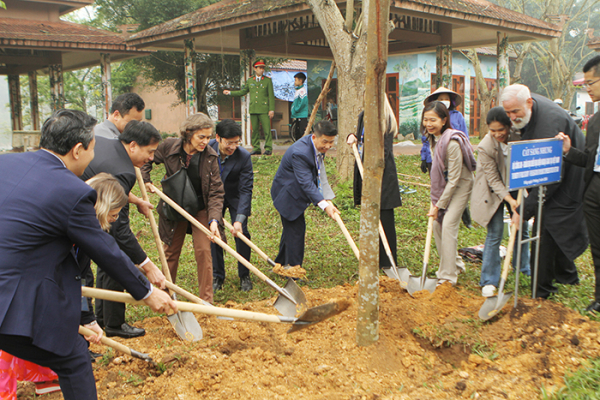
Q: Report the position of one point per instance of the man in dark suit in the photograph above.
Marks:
(135, 146)
(563, 233)
(44, 211)
(238, 179)
(588, 159)
(299, 181)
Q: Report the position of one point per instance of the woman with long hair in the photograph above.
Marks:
(390, 190)
(451, 183)
(489, 197)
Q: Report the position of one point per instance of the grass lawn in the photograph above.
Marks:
(329, 261)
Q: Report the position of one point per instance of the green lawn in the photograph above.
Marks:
(329, 261)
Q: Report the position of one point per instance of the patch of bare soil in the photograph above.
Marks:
(430, 347)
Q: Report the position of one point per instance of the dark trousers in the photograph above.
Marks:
(291, 245)
(591, 211)
(553, 264)
(109, 313)
(241, 247)
(74, 370)
(389, 227)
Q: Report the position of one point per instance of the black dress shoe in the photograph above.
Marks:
(255, 153)
(217, 284)
(268, 153)
(594, 307)
(125, 331)
(246, 284)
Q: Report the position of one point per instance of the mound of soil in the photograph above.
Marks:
(432, 346)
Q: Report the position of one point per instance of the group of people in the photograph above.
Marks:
(69, 204)
(570, 209)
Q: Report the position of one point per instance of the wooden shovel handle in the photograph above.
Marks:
(159, 245)
(428, 241)
(185, 306)
(342, 226)
(244, 239)
(511, 241)
(204, 229)
(106, 341)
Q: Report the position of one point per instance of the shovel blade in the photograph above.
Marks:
(402, 274)
(186, 326)
(493, 305)
(287, 307)
(416, 284)
(319, 313)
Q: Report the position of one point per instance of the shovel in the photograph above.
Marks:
(402, 274)
(291, 298)
(309, 317)
(492, 305)
(118, 346)
(185, 323)
(415, 283)
(296, 295)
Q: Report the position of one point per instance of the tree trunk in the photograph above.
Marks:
(367, 321)
(349, 54)
(486, 96)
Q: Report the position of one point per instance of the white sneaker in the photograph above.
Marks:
(488, 290)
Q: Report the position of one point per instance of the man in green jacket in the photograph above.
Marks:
(262, 106)
(299, 106)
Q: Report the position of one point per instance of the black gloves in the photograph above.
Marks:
(424, 166)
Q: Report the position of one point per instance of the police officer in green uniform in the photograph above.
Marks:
(262, 106)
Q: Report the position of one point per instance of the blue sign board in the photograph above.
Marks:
(534, 163)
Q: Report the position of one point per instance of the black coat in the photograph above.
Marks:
(562, 214)
(587, 157)
(111, 157)
(390, 190)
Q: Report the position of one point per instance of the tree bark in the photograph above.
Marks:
(349, 54)
(486, 96)
(367, 321)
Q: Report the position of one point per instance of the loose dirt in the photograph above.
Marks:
(430, 347)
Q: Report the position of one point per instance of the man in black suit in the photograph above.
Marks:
(45, 210)
(135, 146)
(588, 159)
(238, 180)
(299, 181)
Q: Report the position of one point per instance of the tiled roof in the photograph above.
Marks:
(231, 12)
(61, 34)
(477, 8)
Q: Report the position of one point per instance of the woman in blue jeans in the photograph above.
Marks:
(489, 196)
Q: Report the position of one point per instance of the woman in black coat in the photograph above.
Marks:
(390, 190)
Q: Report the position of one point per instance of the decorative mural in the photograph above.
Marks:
(414, 74)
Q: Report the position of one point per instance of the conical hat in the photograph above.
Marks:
(457, 97)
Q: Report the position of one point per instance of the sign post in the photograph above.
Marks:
(532, 163)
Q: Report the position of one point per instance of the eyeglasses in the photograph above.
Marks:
(232, 143)
(589, 84)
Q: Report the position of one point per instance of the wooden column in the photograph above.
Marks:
(14, 88)
(191, 106)
(105, 70)
(57, 91)
(443, 66)
(33, 101)
(246, 60)
(502, 72)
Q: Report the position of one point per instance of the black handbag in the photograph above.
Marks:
(180, 189)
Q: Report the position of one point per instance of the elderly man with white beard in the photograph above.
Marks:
(563, 231)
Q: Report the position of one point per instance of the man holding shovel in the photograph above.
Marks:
(135, 146)
(299, 181)
(237, 175)
(44, 211)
